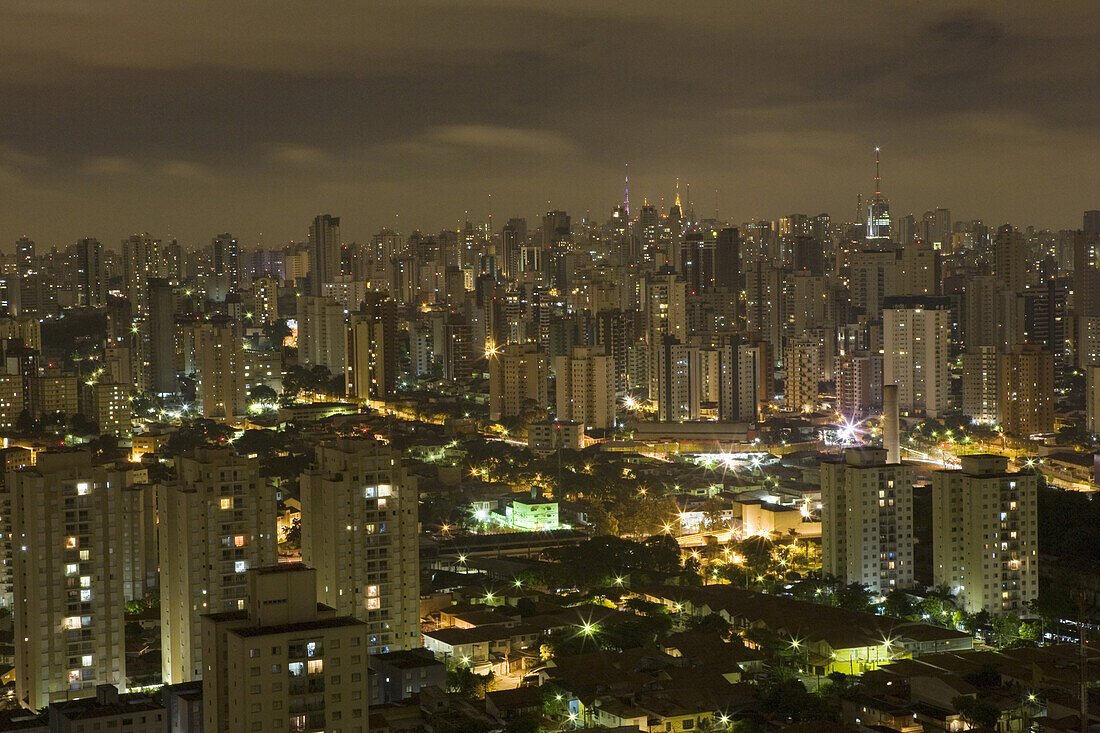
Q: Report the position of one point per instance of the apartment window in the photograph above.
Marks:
(226, 502)
(253, 653)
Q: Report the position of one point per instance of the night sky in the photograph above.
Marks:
(196, 117)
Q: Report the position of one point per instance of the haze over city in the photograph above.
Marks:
(185, 120)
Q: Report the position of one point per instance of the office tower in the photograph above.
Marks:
(679, 391)
(217, 520)
(867, 520)
(159, 332)
(286, 662)
(614, 332)
(585, 388)
(517, 381)
(219, 355)
(1026, 390)
(89, 274)
(111, 409)
(666, 315)
(1010, 258)
(878, 230)
(984, 537)
(380, 259)
(24, 255)
(802, 366)
(360, 530)
(939, 232)
(556, 229)
(227, 260)
(72, 528)
(324, 252)
(322, 333)
(265, 300)
(916, 333)
(980, 398)
(807, 304)
(372, 349)
(513, 237)
(142, 259)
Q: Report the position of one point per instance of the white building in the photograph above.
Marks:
(585, 387)
(867, 520)
(985, 535)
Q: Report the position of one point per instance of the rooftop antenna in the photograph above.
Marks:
(626, 190)
(878, 178)
(716, 204)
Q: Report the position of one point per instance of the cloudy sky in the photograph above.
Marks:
(251, 116)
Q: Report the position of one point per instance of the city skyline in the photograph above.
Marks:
(137, 117)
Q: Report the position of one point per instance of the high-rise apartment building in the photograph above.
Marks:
(324, 252)
(227, 261)
(322, 333)
(372, 349)
(89, 273)
(285, 662)
(517, 381)
(1025, 377)
(218, 359)
(217, 520)
(916, 334)
(76, 530)
(984, 538)
(679, 388)
(666, 315)
(360, 531)
(867, 520)
(265, 299)
(111, 412)
(980, 398)
(802, 366)
(585, 388)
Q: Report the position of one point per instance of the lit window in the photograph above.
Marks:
(85, 581)
(381, 503)
(85, 555)
(71, 622)
(372, 590)
(226, 502)
(373, 604)
(240, 566)
(85, 596)
(315, 666)
(86, 660)
(74, 675)
(238, 541)
(72, 569)
(71, 543)
(83, 488)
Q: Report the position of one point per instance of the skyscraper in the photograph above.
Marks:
(217, 520)
(90, 274)
(360, 530)
(227, 260)
(324, 251)
(980, 387)
(985, 536)
(867, 520)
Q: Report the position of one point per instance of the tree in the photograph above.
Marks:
(262, 393)
(899, 605)
(976, 712)
(854, 597)
(712, 623)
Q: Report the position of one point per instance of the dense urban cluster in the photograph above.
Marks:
(653, 471)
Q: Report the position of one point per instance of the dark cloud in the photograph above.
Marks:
(251, 116)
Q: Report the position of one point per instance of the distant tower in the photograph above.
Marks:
(878, 213)
(626, 190)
